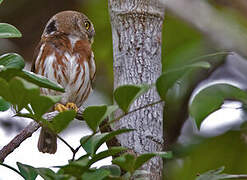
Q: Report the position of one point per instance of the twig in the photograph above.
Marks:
(65, 142)
(18, 139)
(13, 169)
(74, 151)
(23, 135)
(130, 112)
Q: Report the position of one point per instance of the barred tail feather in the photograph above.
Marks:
(47, 141)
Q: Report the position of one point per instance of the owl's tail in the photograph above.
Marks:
(47, 141)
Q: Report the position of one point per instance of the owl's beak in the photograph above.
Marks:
(91, 36)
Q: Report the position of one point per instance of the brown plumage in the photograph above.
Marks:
(64, 55)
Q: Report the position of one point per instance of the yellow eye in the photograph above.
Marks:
(87, 25)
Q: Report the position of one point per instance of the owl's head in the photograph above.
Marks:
(70, 23)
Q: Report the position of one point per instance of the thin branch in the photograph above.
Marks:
(66, 143)
(18, 139)
(13, 169)
(22, 136)
(130, 112)
(74, 152)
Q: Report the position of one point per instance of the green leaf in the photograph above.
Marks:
(168, 78)
(125, 95)
(27, 171)
(211, 98)
(94, 115)
(62, 120)
(98, 174)
(21, 92)
(91, 143)
(41, 81)
(25, 115)
(76, 168)
(41, 104)
(11, 61)
(4, 86)
(104, 154)
(46, 173)
(125, 162)
(113, 169)
(4, 105)
(1, 1)
(143, 158)
(8, 31)
(130, 163)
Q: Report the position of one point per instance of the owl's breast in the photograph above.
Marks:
(70, 63)
(78, 86)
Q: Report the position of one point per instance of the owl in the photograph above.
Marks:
(64, 56)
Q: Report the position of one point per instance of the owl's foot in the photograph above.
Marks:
(72, 106)
(60, 107)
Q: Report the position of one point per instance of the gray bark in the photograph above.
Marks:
(136, 32)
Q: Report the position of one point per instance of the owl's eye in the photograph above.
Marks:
(87, 25)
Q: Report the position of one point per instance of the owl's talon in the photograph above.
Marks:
(60, 108)
(72, 106)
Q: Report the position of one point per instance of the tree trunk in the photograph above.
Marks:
(136, 32)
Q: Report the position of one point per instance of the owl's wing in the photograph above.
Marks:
(36, 52)
(92, 68)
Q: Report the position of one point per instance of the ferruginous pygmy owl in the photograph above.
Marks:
(64, 56)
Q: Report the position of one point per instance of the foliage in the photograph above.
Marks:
(212, 98)
(21, 89)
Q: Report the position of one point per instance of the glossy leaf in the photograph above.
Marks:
(104, 154)
(76, 168)
(125, 95)
(98, 174)
(8, 31)
(41, 81)
(46, 173)
(211, 98)
(130, 163)
(11, 61)
(21, 92)
(62, 120)
(113, 169)
(168, 78)
(91, 144)
(5, 92)
(94, 115)
(41, 104)
(143, 158)
(4, 105)
(125, 162)
(27, 171)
